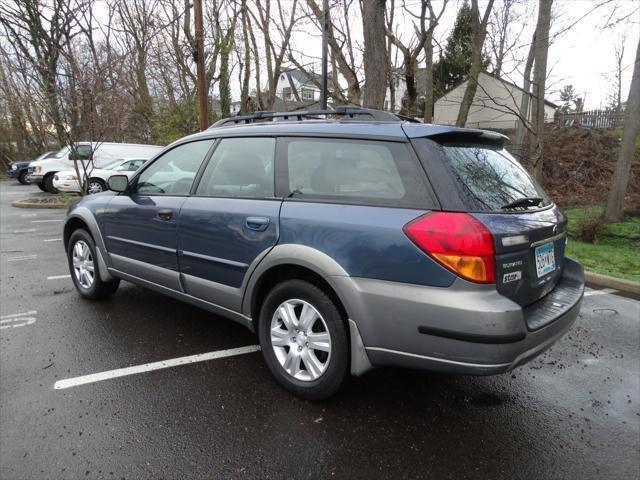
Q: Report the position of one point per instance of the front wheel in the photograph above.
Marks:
(22, 177)
(48, 184)
(304, 340)
(84, 268)
(41, 186)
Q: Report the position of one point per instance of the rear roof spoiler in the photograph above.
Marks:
(447, 134)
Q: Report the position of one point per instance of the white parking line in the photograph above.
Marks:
(52, 240)
(29, 215)
(28, 230)
(590, 293)
(58, 277)
(46, 221)
(148, 367)
(16, 320)
(23, 257)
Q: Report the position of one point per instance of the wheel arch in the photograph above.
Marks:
(82, 217)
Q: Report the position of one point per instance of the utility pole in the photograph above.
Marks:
(202, 94)
(325, 27)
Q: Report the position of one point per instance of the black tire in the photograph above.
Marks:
(98, 183)
(41, 186)
(337, 368)
(98, 289)
(48, 184)
(22, 177)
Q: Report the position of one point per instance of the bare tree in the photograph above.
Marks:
(615, 202)
(39, 31)
(375, 58)
(410, 54)
(429, 99)
(502, 37)
(536, 144)
(479, 26)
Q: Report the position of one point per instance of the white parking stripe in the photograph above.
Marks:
(590, 293)
(14, 315)
(58, 277)
(45, 221)
(148, 367)
(23, 257)
(53, 240)
(28, 230)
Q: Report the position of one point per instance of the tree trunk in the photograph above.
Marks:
(428, 91)
(615, 202)
(479, 34)
(523, 127)
(536, 146)
(375, 55)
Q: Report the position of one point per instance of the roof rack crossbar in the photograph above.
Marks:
(300, 115)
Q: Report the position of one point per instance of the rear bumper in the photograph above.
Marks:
(466, 328)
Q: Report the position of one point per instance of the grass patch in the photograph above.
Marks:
(617, 251)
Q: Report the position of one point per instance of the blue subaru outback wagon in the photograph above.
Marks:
(346, 239)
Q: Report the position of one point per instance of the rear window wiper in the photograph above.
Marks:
(523, 203)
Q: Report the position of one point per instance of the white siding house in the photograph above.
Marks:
(295, 86)
(493, 106)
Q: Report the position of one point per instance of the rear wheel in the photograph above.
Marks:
(96, 185)
(304, 340)
(22, 177)
(48, 184)
(84, 268)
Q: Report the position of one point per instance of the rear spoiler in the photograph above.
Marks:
(445, 134)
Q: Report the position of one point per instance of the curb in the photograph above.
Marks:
(30, 204)
(604, 281)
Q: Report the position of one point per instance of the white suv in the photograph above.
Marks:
(42, 172)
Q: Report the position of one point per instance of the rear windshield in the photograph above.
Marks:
(490, 179)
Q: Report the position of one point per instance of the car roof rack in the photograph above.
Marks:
(300, 115)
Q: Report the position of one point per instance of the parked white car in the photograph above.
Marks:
(67, 180)
(42, 172)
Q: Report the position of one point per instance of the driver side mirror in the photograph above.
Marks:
(118, 183)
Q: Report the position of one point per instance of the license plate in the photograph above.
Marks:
(545, 259)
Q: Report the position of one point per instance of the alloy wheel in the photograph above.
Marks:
(300, 340)
(83, 267)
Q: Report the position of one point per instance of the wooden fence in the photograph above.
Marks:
(591, 119)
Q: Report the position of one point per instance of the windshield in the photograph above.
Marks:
(61, 153)
(113, 165)
(490, 179)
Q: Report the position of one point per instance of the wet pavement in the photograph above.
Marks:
(572, 413)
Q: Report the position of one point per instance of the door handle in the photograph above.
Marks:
(165, 214)
(259, 224)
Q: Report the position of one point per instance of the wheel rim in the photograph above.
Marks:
(300, 340)
(83, 268)
(94, 187)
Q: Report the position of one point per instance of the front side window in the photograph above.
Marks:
(351, 169)
(489, 179)
(173, 172)
(240, 167)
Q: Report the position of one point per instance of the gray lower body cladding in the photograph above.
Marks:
(466, 328)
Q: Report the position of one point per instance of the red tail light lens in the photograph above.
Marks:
(457, 241)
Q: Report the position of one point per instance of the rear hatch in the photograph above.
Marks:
(473, 173)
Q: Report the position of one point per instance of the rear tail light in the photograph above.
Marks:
(458, 242)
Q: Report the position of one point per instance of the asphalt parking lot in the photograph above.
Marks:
(572, 413)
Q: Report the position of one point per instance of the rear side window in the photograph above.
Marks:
(360, 171)
(488, 179)
(240, 167)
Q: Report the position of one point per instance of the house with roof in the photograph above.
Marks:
(496, 104)
(294, 85)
